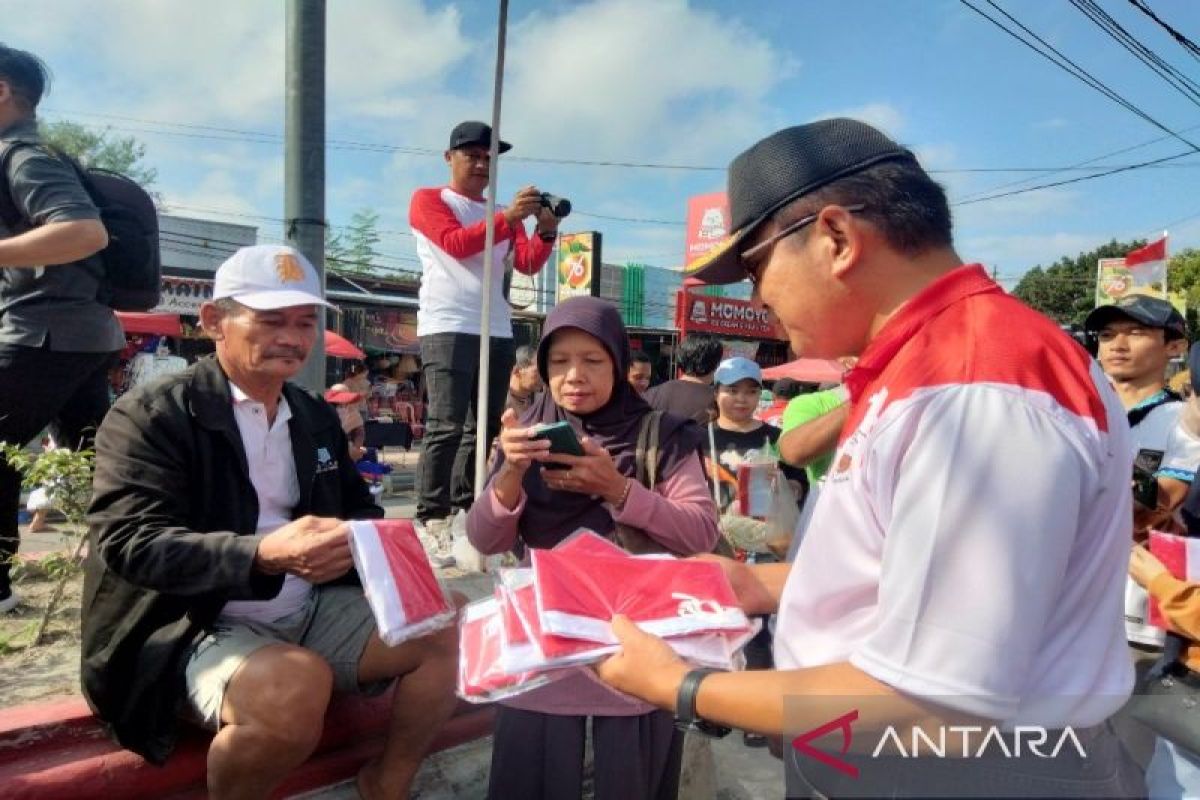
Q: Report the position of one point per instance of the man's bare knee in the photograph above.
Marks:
(281, 692)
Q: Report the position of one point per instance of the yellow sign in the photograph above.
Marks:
(578, 262)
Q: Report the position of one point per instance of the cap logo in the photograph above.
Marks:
(288, 268)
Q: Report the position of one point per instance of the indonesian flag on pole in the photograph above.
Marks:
(1181, 556)
(405, 596)
(1149, 264)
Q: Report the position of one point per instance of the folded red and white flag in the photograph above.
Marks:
(481, 678)
(579, 594)
(405, 596)
(1181, 556)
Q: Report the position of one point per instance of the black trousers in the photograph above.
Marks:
(540, 756)
(40, 387)
(450, 365)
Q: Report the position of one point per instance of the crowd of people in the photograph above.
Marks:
(973, 500)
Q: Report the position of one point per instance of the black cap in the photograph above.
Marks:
(1141, 308)
(782, 167)
(468, 133)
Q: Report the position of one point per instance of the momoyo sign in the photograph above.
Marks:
(723, 315)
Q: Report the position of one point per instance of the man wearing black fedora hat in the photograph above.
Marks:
(964, 565)
(450, 228)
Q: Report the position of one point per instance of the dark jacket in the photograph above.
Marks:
(172, 538)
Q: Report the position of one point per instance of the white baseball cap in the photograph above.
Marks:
(266, 277)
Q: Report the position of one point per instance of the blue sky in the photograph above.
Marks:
(646, 81)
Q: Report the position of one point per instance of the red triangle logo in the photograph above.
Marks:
(802, 743)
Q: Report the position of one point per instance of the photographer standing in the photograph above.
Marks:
(450, 226)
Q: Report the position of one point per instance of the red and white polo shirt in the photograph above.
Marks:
(971, 542)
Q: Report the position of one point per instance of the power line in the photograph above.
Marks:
(1191, 47)
(1115, 31)
(1080, 179)
(1056, 57)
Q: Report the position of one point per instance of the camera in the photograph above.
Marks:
(559, 206)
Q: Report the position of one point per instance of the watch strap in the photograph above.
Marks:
(685, 704)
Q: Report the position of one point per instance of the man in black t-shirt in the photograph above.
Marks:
(57, 338)
(692, 394)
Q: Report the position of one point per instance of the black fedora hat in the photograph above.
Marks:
(784, 166)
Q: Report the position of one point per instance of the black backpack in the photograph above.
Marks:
(132, 260)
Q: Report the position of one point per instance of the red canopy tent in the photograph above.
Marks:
(157, 324)
(341, 347)
(807, 370)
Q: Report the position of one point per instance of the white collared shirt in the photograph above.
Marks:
(272, 467)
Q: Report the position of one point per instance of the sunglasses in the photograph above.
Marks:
(752, 257)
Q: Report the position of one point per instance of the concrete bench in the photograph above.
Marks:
(58, 750)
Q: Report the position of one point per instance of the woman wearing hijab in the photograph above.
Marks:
(539, 740)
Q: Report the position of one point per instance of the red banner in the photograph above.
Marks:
(707, 224)
(725, 316)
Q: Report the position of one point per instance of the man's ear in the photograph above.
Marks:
(1177, 347)
(210, 321)
(6, 92)
(447, 155)
(844, 237)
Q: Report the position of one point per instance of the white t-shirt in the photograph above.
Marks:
(273, 473)
(1159, 430)
(971, 539)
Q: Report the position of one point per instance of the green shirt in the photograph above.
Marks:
(808, 407)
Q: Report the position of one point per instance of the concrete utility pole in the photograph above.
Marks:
(304, 154)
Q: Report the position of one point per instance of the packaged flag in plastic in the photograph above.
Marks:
(481, 678)
(578, 595)
(405, 596)
(525, 645)
(1181, 556)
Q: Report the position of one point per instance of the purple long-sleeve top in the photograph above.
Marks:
(678, 513)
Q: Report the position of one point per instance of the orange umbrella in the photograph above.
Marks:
(340, 347)
(807, 370)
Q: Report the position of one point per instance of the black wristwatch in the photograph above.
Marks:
(547, 236)
(685, 706)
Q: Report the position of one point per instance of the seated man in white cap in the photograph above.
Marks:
(219, 580)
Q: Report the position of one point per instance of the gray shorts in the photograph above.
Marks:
(336, 624)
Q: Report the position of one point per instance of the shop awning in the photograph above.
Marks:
(143, 322)
(807, 370)
(339, 346)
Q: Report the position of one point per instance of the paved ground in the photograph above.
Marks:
(739, 773)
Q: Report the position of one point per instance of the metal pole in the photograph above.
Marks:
(304, 155)
(482, 445)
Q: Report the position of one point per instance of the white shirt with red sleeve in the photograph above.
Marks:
(450, 230)
(971, 541)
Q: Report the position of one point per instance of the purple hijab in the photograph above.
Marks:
(550, 516)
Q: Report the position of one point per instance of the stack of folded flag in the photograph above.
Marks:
(556, 614)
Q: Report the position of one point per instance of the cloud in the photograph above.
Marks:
(884, 116)
(622, 78)
(1054, 123)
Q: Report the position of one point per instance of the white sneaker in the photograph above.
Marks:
(435, 538)
(9, 603)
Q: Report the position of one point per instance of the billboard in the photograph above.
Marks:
(707, 224)
(579, 260)
(1143, 271)
(183, 295)
(724, 316)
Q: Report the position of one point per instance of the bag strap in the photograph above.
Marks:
(9, 214)
(646, 455)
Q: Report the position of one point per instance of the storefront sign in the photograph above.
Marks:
(578, 265)
(707, 224)
(390, 331)
(725, 316)
(183, 295)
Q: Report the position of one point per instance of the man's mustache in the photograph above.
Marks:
(288, 352)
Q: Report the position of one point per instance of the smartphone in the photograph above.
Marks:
(1145, 485)
(562, 438)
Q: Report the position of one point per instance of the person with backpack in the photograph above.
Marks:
(57, 336)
